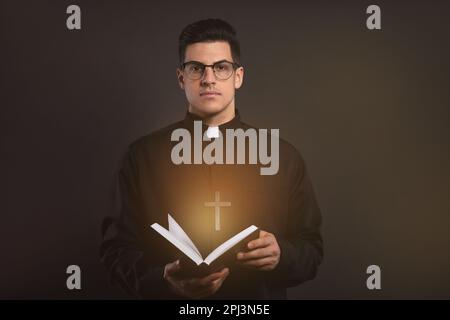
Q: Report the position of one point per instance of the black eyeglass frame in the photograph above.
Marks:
(204, 66)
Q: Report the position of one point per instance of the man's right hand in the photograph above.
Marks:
(194, 288)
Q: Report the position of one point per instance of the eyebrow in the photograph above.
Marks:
(223, 60)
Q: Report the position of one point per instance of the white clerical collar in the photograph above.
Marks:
(212, 132)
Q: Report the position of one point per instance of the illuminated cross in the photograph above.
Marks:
(217, 204)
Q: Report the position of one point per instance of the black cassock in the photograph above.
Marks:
(149, 186)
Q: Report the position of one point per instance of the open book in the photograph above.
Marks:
(196, 265)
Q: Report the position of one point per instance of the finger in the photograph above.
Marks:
(173, 267)
(225, 272)
(222, 273)
(193, 285)
(199, 283)
(267, 267)
(263, 233)
(260, 242)
(211, 288)
(214, 276)
(254, 254)
(218, 283)
(258, 263)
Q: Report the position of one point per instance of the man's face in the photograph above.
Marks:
(209, 96)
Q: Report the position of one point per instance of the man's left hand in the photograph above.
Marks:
(264, 253)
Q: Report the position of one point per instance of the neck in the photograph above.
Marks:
(216, 119)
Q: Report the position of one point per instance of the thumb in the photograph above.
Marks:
(173, 267)
(263, 233)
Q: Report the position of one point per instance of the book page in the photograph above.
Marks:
(177, 243)
(227, 245)
(178, 232)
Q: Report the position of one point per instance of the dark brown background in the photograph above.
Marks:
(369, 111)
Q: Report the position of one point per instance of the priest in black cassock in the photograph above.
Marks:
(149, 186)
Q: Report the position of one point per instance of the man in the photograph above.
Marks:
(149, 186)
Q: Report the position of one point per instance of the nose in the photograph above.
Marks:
(208, 76)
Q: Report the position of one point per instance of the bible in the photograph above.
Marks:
(191, 262)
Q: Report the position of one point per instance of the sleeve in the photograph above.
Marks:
(130, 265)
(302, 245)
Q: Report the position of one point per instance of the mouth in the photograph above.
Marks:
(209, 94)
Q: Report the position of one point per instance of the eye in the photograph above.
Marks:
(194, 67)
(221, 66)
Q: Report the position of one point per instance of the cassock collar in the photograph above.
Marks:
(233, 123)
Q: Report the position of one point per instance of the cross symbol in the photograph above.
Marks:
(217, 204)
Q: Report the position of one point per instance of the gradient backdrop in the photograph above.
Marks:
(368, 110)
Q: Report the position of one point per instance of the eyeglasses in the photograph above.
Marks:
(222, 69)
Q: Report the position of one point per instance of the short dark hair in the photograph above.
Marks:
(207, 31)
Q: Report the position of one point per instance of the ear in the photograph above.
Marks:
(239, 77)
(180, 78)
